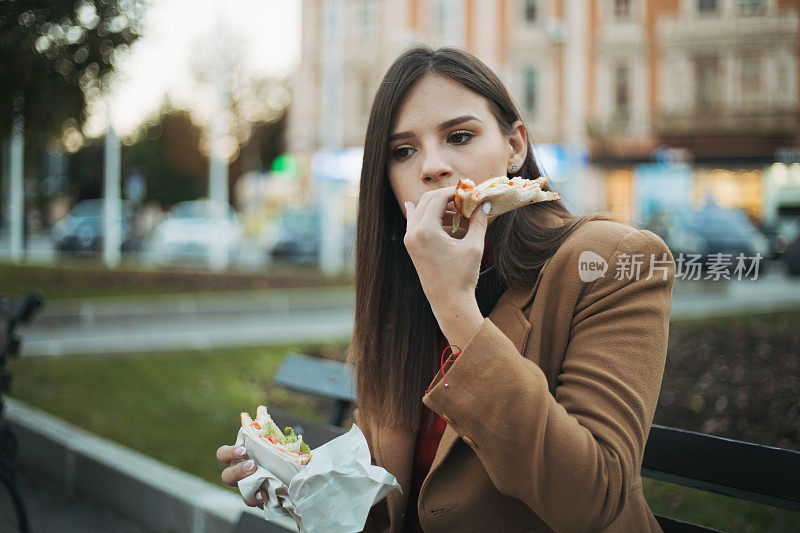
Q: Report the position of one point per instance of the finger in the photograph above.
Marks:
(256, 500)
(478, 223)
(226, 454)
(434, 211)
(410, 208)
(423, 203)
(424, 200)
(232, 474)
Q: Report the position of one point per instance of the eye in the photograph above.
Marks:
(460, 137)
(402, 152)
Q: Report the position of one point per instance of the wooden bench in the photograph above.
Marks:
(743, 470)
(319, 377)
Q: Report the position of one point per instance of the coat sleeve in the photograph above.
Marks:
(572, 455)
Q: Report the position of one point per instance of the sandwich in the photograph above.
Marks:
(505, 193)
(284, 443)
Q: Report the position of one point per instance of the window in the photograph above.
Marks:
(707, 82)
(707, 6)
(751, 7)
(531, 11)
(751, 77)
(366, 18)
(622, 9)
(440, 16)
(530, 94)
(621, 92)
(447, 21)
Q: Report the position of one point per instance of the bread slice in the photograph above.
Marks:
(506, 194)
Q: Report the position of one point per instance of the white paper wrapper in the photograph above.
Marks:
(333, 493)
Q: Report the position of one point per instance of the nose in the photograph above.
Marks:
(434, 167)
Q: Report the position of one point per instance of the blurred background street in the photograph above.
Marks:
(142, 324)
(179, 179)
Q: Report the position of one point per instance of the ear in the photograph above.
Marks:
(517, 143)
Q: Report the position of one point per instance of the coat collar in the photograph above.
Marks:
(396, 446)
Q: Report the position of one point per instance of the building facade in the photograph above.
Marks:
(714, 83)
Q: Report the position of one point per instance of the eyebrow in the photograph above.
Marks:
(444, 125)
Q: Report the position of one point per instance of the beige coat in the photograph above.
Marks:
(550, 404)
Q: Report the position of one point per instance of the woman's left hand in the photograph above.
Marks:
(448, 267)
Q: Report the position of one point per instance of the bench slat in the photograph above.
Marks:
(320, 377)
(762, 474)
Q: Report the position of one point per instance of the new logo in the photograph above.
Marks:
(591, 266)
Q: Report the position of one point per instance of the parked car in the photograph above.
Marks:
(189, 232)
(792, 257)
(777, 241)
(297, 237)
(707, 231)
(82, 229)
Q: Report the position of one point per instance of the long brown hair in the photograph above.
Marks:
(395, 335)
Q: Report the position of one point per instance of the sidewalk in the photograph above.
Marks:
(87, 483)
(49, 509)
(90, 311)
(707, 299)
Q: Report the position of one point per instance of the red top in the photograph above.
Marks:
(430, 433)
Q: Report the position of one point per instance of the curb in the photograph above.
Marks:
(150, 493)
(93, 310)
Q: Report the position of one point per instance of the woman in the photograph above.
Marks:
(538, 418)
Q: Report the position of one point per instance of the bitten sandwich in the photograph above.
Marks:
(506, 194)
(284, 443)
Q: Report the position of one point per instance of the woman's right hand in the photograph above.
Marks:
(239, 467)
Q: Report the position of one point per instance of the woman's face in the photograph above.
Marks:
(445, 132)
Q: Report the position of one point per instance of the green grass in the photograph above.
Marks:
(86, 278)
(779, 322)
(177, 407)
(716, 511)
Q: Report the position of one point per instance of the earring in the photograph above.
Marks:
(512, 168)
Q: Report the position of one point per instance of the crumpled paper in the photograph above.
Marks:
(333, 493)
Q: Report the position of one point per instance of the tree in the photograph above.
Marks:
(54, 54)
(265, 144)
(168, 154)
(256, 103)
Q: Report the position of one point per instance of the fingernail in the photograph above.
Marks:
(259, 496)
(241, 451)
(487, 206)
(248, 465)
(409, 206)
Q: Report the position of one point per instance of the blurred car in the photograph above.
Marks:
(778, 243)
(83, 228)
(297, 236)
(710, 230)
(792, 257)
(190, 232)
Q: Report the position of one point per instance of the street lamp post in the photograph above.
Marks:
(112, 208)
(218, 165)
(17, 194)
(574, 91)
(329, 192)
